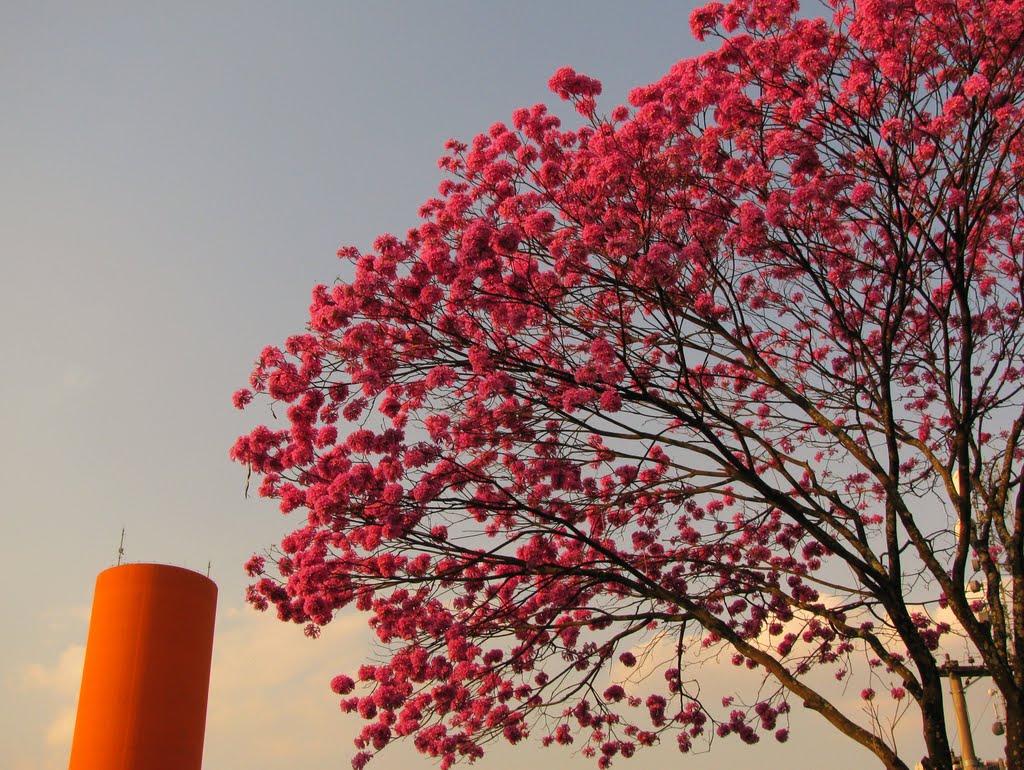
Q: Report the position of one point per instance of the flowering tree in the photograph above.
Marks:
(736, 368)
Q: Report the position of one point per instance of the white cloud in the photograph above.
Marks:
(899, 721)
(270, 702)
(270, 699)
(271, 708)
(76, 377)
(62, 677)
(66, 621)
(51, 690)
(61, 730)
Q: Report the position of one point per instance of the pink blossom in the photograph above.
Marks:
(976, 85)
(862, 194)
(242, 397)
(614, 693)
(567, 83)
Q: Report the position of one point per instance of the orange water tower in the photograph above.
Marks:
(142, 705)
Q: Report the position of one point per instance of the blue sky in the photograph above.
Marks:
(175, 178)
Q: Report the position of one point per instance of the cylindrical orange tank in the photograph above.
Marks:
(142, 705)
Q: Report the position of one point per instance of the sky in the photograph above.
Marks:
(174, 178)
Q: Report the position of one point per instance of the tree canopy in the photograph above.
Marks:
(736, 367)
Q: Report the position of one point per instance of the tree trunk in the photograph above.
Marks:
(933, 724)
(1014, 734)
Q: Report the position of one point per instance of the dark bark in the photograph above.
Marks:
(933, 724)
(1015, 733)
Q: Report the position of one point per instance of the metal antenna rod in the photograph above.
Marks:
(120, 548)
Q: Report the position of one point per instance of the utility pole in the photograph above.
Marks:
(956, 672)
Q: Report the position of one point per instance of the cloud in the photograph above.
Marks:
(710, 676)
(61, 729)
(897, 722)
(66, 621)
(270, 704)
(75, 377)
(61, 678)
(270, 699)
(51, 689)
(271, 708)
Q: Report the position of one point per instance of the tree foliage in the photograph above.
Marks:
(737, 367)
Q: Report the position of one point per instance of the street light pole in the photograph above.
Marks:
(955, 672)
